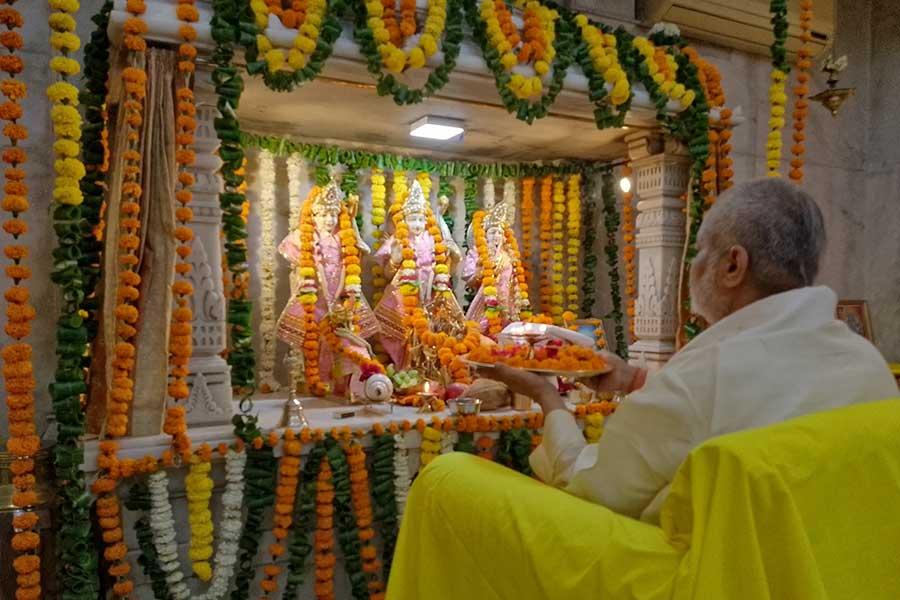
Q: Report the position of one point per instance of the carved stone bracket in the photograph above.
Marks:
(210, 401)
(661, 171)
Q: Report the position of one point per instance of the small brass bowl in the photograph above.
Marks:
(465, 406)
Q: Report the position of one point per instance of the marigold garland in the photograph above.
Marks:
(663, 69)
(390, 37)
(180, 328)
(491, 303)
(777, 95)
(546, 220)
(285, 496)
(600, 62)
(557, 289)
(527, 220)
(523, 299)
(801, 104)
(629, 252)
(308, 289)
(360, 498)
(18, 371)
(324, 535)
(573, 241)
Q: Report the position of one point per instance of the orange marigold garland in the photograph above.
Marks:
(18, 371)
(285, 494)
(308, 297)
(180, 343)
(557, 290)
(324, 535)
(523, 299)
(801, 104)
(362, 507)
(492, 309)
(546, 221)
(527, 223)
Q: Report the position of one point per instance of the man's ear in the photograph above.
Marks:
(735, 267)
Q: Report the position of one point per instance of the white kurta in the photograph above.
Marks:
(778, 358)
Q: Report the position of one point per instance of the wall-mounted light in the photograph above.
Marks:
(625, 185)
(438, 128)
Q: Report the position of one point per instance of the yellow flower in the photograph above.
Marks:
(61, 22)
(263, 44)
(304, 44)
(541, 67)
(64, 65)
(62, 90)
(66, 6)
(688, 98)
(202, 570)
(69, 167)
(416, 58)
(441, 269)
(508, 60)
(375, 9)
(275, 59)
(68, 195)
(296, 59)
(307, 298)
(353, 280)
(428, 44)
(66, 148)
(65, 41)
(309, 31)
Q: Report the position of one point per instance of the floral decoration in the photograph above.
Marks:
(267, 272)
(546, 235)
(801, 90)
(573, 241)
(611, 249)
(777, 95)
(557, 289)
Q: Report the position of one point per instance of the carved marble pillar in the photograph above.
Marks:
(661, 170)
(210, 401)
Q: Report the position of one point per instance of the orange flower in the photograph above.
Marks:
(13, 89)
(10, 63)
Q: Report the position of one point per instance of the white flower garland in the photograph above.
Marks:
(267, 271)
(402, 480)
(162, 525)
(298, 176)
(509, 199)
(448, 440)
(487, 193)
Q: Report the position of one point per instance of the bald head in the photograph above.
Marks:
(778, 224)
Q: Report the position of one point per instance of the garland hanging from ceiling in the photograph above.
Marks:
(611, 249)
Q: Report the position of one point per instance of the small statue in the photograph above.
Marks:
(417, 260)
(494, 268)
(328, 319)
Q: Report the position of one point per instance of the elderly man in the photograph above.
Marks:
(773, 351)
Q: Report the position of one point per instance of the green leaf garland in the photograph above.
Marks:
(605, 114)
(779, 10)
(259, 495)
(345, 520)
(226, 31)
(514, 448)
(139, 500)
(445, 188)
(465, 443)
(76, 270)
(588, 258)
(388, 84)
(385, 496)
(304, 521)
(611, 222)
(564, 45)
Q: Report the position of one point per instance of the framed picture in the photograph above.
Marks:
(855, 313)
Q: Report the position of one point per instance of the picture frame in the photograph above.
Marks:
(855, 313)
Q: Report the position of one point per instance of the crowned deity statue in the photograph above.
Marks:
(494, 268)
(328, 319)
(417, 260)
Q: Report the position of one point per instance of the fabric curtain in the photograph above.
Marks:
(156, 254)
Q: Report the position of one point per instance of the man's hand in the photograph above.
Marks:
(519, 381)
(617, 380)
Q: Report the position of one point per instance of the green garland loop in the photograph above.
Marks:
(304, 521)
(565, 56)
(259, 495)
(465, 443)
(779, 10)
(284, 81)
(384, 495)
(388, 84)
(323, 155)
(226, 31)
(611, 249)
(513, 449)
(139, 500)
(76, 271)
(589, 258)
(345, 519)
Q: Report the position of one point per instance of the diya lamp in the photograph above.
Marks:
(428, 397)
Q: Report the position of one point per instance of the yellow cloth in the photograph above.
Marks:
(802, 510)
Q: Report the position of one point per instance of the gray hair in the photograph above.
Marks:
(779, 225)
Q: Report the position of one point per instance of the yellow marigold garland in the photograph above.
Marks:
(663, 69)
(556, 287)
(431, 445)
(390, 39)
(777, 102)
(488, 281)
(605, 58)
(522, 297)
(534, 45)
(18, 371)
(308, 26)
(308, 297)
(199, 486)
(180, 342)
(546, 221)
(573, 248)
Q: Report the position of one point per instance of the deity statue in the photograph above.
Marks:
(328, 319)
(416, 259)
(494, 268)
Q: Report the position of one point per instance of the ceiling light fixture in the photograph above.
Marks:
(438, 128)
